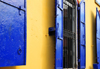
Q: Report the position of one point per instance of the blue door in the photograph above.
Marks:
(59, 35)
(82, 44)
(12, 33)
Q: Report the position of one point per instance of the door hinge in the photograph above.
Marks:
(12, 5)
(60, 38)
(19, 10)
(60, 7)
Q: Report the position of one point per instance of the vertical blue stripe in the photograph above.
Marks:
(82, 44)
(59, 35)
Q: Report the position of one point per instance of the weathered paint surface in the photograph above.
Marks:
(40, 46)
(12, 36)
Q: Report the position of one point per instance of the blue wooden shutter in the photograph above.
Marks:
(59, 35)
(12, 33)
(97, 66)
(82, 45)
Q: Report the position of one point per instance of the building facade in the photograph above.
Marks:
(41, 47)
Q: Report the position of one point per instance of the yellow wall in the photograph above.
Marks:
(40, 46)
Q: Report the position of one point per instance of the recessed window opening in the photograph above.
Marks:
(69, 33)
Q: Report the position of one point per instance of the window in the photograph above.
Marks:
(69, 34)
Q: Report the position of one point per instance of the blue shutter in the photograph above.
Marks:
(12, 33)
(82, 45)
(97, 66)
(98, 37)
(59, 35)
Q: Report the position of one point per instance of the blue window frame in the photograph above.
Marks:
(12, 33)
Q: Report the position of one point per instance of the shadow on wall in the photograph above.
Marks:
(48, 49)
(8, 67)
(93, 28)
